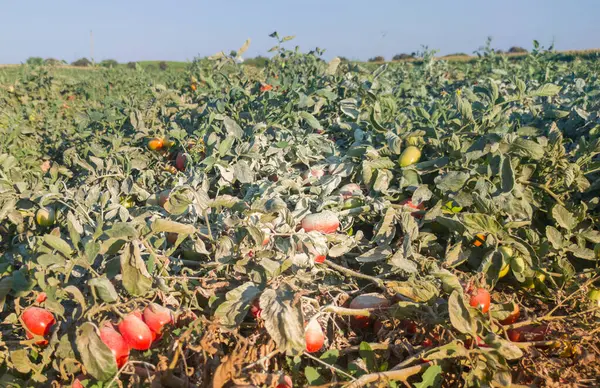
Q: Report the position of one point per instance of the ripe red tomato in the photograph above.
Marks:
(181, 161)
(427, 342)
(172, 238)
(135, 332)
(285, 381)
(116, 343)
(320, 258)
(410, 204)
(156, 317)
(37, 321)
(41, 297)
(366, 301)
(350, 190)
(324, 222)
(77, 382)
(409, 326)
(155, 144)
(513, 317)
(481, 300)
(528, 333)
(255, 309)
(314, 336)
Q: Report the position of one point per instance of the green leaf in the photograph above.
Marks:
(554, 236)
(527, 148)
(563, 217)
(237, 302)
(232, 127)
(459, 313)
(283, 318)
(366, 353)
(313, 377)
(432, 377)
(5, 287)
(77, 296)
(135, 277)
(97, 358)
(20, 360)
(310, 120)
(58, 244)
(547, 90)
(508, 176)
(104, 289)
(478, 223)
(161, 225)
(451, 181)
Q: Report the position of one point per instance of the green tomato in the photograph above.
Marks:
(530, 282)
(128, 201)
(352, 203)
(409, 156)
(45, 216)
(594, 295)
(453, 207)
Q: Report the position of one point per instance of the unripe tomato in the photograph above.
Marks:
(480, 299)
(452, 207)
(594, 295)
(479, 239)
(128, 201)
(45, 216)
(513, 317)
(352, 203)
(135, 332)
(507, 255)
(267, 236)
(37, 321)
(529, 283)
(181, 161)
(156, 317)
(155, 144)
(314, 336)
(366, 301)
(324, 222)
(116, 343)
(409, 156)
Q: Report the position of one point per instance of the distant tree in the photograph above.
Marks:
(402, 57)
(110, 63)
(517, 50)
(457, 55)
(378, 58)
(82, 62)
(163, 65)
(258, 61)
(131, 65)
(344, 59)
(150, 67)
(35, 61)
(53, 62)
(499, 51)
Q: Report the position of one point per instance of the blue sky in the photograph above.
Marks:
(130, 30)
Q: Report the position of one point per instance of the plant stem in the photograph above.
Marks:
(396, 375)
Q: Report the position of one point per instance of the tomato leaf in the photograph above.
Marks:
(432, 377)
(459, 313)
(232, 312)
(283, 319)
(135, 277)
(96, 356)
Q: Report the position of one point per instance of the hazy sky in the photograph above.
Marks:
(130, 30)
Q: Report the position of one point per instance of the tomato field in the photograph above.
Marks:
(309, 223)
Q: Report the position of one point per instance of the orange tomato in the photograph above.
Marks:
(156, 144)
(266, 88)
